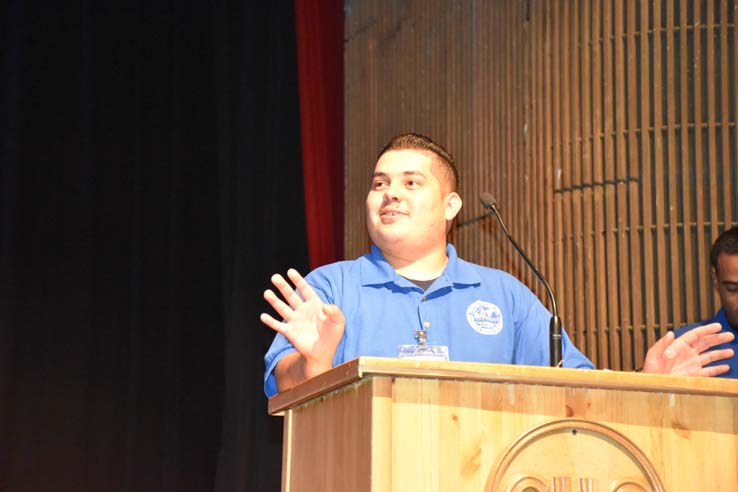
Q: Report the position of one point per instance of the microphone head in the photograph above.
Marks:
(488, 201)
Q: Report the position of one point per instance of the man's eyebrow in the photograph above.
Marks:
(405, 173)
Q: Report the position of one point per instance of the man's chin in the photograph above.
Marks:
(388, 241)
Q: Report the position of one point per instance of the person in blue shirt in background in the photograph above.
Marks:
(724, 261)
(413, 280)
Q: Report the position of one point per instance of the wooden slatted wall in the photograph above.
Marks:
(605, 129)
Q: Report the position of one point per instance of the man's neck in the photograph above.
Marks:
(425, 266)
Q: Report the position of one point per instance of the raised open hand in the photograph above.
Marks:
(313, 328)
(689, 354)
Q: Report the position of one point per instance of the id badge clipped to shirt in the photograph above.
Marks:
(421, 350)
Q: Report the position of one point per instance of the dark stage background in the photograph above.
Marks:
(150, 184)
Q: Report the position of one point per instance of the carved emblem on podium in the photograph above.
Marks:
(572, 455)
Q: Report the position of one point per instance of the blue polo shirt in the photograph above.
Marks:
(479, 313)
(721, 318)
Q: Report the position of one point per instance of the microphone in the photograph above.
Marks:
(554, 327)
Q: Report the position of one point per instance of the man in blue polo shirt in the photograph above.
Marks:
(724, 261)
(412, 288)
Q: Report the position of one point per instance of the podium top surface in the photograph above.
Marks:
(363, 367)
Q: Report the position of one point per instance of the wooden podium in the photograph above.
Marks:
(376, 424)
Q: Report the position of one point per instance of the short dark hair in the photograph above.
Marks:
(416, 141)
(726, 243)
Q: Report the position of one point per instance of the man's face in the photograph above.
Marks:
(725, 280)
(407, 206)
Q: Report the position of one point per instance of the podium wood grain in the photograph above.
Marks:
(377, 424)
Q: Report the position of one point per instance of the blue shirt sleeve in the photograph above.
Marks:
(279, 348)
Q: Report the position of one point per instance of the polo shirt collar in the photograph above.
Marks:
(376, 271)
(459, 271)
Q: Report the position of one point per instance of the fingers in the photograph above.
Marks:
(715, 355)
(715, 370)
(286, 290)
(710, 341)
(657, 360)
(701, 337)
(333, 314)
(289, 293)
(292, 300)
(301, 285)
(664, 341)
(282, 309)
(726, 336)
(723, 337)
(705, 337)
(272, 323)
(665, 345)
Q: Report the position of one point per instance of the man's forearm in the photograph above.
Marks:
(293, 369)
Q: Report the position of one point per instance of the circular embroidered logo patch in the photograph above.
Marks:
(484, 317)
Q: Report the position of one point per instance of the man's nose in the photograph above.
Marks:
(392, 193)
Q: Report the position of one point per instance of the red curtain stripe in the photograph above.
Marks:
(319, 27)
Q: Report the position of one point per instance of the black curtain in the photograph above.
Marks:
(150, 183)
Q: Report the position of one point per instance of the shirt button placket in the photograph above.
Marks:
(423, 314)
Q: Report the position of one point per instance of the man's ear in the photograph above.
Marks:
(453, 205)
(715, 279)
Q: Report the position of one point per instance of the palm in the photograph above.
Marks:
(311, 331)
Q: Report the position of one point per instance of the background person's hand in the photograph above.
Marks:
(690, 353)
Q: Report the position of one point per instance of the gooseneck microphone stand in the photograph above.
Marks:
(554, 326)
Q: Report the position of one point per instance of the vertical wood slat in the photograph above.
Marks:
(503, 101)
(548, 183)
(659, 167)
(734, 89)
(674, 284)
(587, 177)
(559, 139)
(711, 103)
(495, 129)
(577, 323)
(647, 165)
(485, 105)
(540, 136)
(476, 176)
(489, 88)
(500, 99)
(633, 188)
(569, 182)
(497, 250)
(498, 131)
(621, 192)
(517, 163)
(543, 133)
(725, 159)
(609, 176)
(519, 160)
(699, 163)
(597, 177)
(686, 165)
(533, 138)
